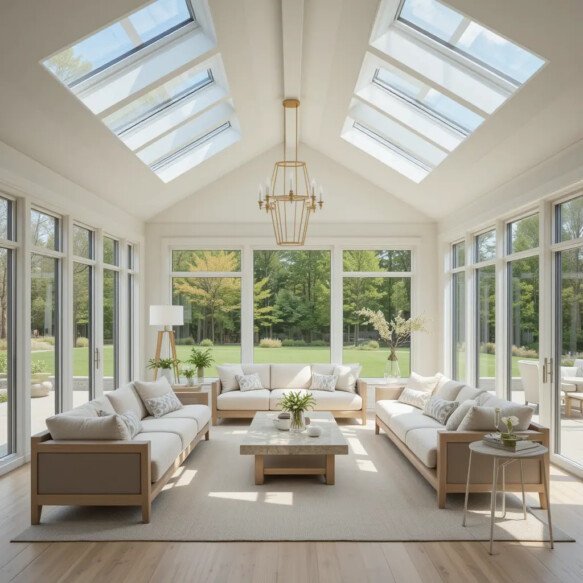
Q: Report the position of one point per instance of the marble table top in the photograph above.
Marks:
(263, 438)
(484, 449)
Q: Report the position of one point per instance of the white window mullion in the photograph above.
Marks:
(336, 305)
(501, 311)
(123, 311)
(471, 312)
(247, 304)
(66, 305)
(98, 314)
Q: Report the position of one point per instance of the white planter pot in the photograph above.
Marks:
(166, 373)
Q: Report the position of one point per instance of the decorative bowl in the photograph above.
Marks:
(314, 431)
(282, 424)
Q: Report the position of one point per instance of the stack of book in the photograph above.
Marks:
(495, 440)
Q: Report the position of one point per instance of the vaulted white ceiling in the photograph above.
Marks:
(317, 53)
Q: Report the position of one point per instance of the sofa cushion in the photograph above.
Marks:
(448, 389)
(277, 394)
(200, 413)
(348, 375)
(458, 415)
(244, 401)
(186, 429)
(102, 404)
(439, 409)
(507, 408)
(84, 410)
(400, 425)
(228, 376)
(164, 449)
(421, 383)
(336, 401)
(466, 393)
(291, 376)
(413, 397)
(151, 390)
(77, 427)
(385, 409)
(423, 443)
(125, 399)
(324, 368)
(263, 370)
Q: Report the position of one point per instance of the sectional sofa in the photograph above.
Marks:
(112, 472)
(441, 455)
(348, 400)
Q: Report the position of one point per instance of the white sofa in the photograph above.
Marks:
(441, 455)
(92, 470)
(279, 379)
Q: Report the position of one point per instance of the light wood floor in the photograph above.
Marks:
(142, 562)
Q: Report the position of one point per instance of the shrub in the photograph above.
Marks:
(318, 343)
(488, 348)
(300, 343)
(185, 341)
(82, 342)
(37, 367)
(207, 342)
(46, 339)
(270, 343)
(3, 397)
(288, 342)
(524, 352)
(373, 345)
(3, 363)
(3, 344)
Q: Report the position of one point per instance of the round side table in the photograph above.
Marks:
(501, 459)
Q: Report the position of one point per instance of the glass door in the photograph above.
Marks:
(568, 307)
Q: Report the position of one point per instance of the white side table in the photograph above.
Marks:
(501, 459)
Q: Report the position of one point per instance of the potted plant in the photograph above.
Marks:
(509, 438)
(164, 365)
(296, 404)
(201, 359)
(188, 373)
(395, 333)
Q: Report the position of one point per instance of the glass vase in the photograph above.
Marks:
(297, 422)
(392, 370)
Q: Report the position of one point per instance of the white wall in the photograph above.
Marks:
(355, 211)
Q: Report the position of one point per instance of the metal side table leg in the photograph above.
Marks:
(467, 489)
(522, 488)
(546, 484)
(493, 502)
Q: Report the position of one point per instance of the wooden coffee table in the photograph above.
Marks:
(283, 453)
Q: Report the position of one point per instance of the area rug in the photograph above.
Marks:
(378, 496)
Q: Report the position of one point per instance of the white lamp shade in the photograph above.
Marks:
(166, 315)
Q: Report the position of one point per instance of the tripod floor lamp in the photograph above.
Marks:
(166, 316)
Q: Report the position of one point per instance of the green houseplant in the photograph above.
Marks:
(201, 359)
(188, 373)
(164, 365)
(296, 404)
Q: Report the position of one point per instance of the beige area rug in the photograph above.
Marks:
(378, 496)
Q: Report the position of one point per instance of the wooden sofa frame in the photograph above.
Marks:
(438, 476)
(97, 473)
(361, 389)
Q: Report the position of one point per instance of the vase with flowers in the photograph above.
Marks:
(395, 333)
(296, 404)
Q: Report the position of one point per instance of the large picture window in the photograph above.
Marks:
(377, 280)
(207, 284)
(458, 309)
(291, 306)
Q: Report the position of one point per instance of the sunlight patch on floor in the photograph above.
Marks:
(355, 446)
(366, 466)
(243, 496)
(281, 498)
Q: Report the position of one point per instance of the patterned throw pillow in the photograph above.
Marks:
(132, 422)
(439, 409)
(323, 382)
(415, 398)
(159, 406)
(249, 382)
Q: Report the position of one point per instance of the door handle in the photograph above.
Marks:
(97, 358)
(548, 370)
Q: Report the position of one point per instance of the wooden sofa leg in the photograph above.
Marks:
(207, 435)
(441, 497)
(377, 429)
(544, 503)
(35, 513)
(146, 509)
(363, 419)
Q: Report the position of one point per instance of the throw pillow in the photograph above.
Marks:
(412, 397)
(507, 408)
(448, 389)
(420, 383)
(323, 382)
(126, 398)
(228, 376)
(249, 382)
(458, 415)
(159, 406)
(347, 376)
(132, 422)
(150, 390)
(439, 409)
(479, 418)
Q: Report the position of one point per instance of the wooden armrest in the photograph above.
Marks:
(93, 446)
(387, 393)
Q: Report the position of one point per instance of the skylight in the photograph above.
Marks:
(444, 74)
(144, 76)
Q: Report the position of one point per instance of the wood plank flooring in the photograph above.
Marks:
(158, 562)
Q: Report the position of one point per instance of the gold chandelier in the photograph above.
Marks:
(290, 211)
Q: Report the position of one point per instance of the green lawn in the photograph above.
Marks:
(372, 361)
